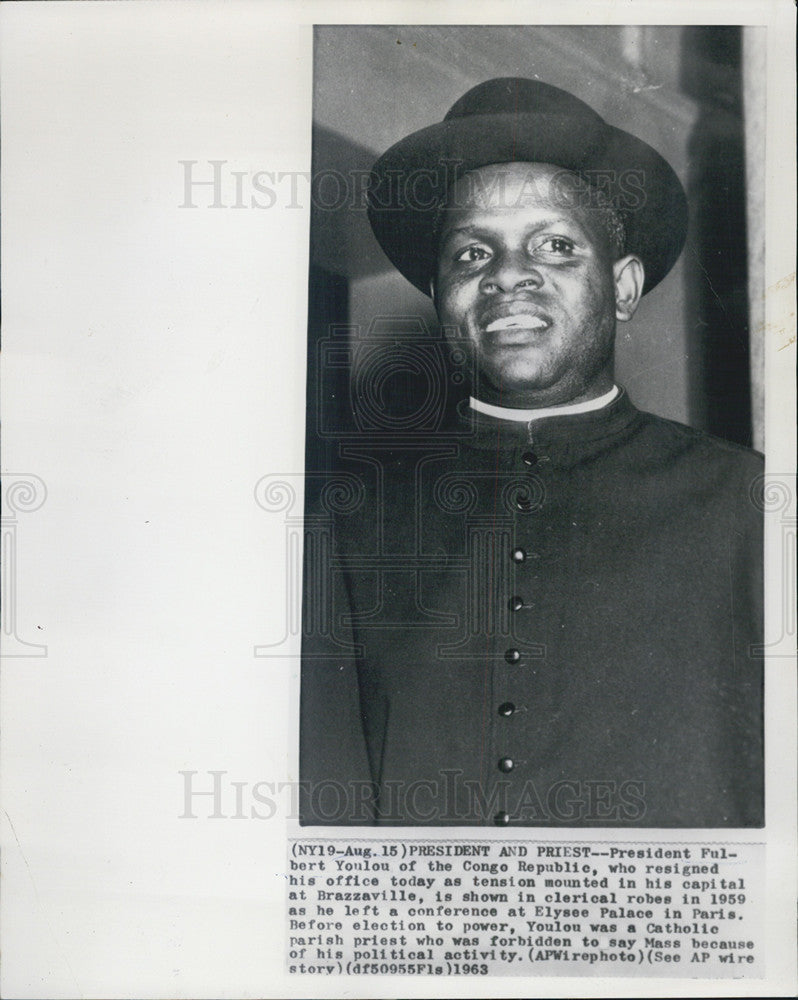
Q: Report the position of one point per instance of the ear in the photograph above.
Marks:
(629, 275)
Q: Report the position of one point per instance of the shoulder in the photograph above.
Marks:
(696, 445)
(698, 470)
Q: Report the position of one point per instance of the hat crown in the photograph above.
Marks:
(517, 95)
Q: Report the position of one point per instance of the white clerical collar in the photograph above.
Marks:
(508, 413)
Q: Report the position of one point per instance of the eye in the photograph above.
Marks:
(472, 253)
(561, 246)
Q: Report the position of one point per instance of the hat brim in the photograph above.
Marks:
(409, 182)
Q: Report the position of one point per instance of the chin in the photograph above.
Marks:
(520, 380)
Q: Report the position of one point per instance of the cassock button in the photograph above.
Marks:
(519, 555)
(525, 504)
(506, 708)
(501, 818)
(515, 603)
(529, 458)
(512, 656)
(506, 764)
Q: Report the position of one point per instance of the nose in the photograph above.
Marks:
(510, 272)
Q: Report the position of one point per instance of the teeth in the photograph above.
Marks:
(524, 320)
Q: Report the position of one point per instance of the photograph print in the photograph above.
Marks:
(532, 589)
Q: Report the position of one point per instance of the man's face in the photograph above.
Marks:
(527, 274)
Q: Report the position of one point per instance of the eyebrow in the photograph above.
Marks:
(475, 229)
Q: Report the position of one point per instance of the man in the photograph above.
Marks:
(549, 616)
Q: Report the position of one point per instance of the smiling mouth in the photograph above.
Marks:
(517, 321)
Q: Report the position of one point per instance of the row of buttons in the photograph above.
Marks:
(507, 708)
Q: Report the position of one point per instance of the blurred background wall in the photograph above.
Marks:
(686, 354)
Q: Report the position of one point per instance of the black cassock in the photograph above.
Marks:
(542, 624)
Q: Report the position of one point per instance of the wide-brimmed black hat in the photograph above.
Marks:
(518, 120)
